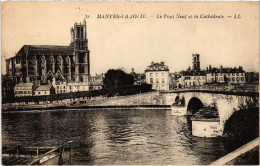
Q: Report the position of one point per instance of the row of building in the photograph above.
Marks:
(58, 87)
(156, 74)
(159, 76)
(50, 69)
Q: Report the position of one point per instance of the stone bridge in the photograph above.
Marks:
(226, 102)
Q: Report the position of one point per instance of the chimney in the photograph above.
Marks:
(162, 63)
(152, 63)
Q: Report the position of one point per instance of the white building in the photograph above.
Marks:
(157, 74)
(42, 90)
(192, 79)
(77, 86)
(61, 87)
(23, 89)
(67, 87)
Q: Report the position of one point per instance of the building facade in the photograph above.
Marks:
(192, 78)
(96, 82)
(42, 63)
(226, 75)
(23, 89)
(157, 74)
(42, 90)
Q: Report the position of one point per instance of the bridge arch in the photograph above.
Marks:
(194, 105)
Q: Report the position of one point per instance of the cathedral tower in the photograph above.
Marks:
(79, 42)
(196, 62)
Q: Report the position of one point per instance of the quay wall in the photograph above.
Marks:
(150, 98)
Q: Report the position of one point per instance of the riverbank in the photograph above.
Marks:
(126, 107)
(150, 100)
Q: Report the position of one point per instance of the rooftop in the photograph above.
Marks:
(45, 49)
(43, 88)
(157, 67)
(24, 85)
(225, 70)
(194, 73)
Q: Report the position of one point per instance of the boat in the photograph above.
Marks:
(19, 155)
(179, 108)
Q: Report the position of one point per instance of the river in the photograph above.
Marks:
(114, 136)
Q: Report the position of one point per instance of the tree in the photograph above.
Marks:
(252, 77)
(117, 78)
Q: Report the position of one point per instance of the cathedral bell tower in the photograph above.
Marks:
(196, 62)
(79, 42)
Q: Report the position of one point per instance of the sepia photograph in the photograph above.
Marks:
(130, 83)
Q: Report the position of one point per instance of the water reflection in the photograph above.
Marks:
(114, 136)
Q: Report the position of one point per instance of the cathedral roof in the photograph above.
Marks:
(46, 49)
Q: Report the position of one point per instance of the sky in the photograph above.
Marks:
(135, 43)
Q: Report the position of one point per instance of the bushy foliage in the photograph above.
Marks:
(117, 78)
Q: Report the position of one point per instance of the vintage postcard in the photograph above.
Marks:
(135, 83)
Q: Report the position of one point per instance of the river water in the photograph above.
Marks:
(113, 136)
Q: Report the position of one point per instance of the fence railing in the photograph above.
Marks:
(242, 150)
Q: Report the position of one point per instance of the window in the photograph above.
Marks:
(81, 58)
(242, 78)
(237, 74)
(39, 93)
(45, 92)
(151, 80)
(228, 74)
(233, 74)
(237, 78)
(156, 74)
(64, 87)
(151, 74)
(162, 80)
(242, 74)
(157, 80)
(70, 87)
(233, 79)
(162, 74)
(58, 87)
(25, 92)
